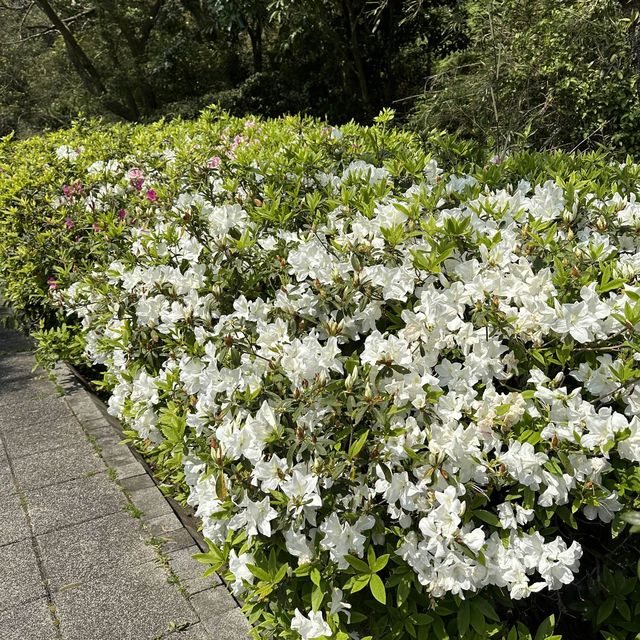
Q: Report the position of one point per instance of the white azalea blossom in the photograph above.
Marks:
(366, 382)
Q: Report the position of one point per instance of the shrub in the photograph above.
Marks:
(402, 399)
(558, 74)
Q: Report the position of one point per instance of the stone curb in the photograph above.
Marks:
(163, 518)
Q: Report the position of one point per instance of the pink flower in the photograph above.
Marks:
(495, 159)
(69, 223)
(152, 196)
(136, 178)
(122, 214)
(249, 124)
(214, 163)
(52, 282)
(67, 190)
(95, 226)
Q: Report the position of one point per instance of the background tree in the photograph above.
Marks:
(556, 73)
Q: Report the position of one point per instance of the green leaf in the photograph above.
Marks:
(546, 628)
(610, 286)
(282, 572)
(488, 517)
(259, 573)
(463, 618)
(381, 563)
(357, 564)
(359, 583)
(631, 517)
(605, 610)
(487, 609)
(404, 587)
(317, 596)
(356, 447)
(377, 589)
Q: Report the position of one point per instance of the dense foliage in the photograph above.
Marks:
(399, 386)
(541, 72)
(145, 58)
(507, 73)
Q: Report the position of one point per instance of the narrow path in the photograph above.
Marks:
(89, 547)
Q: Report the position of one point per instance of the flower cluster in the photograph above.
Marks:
(402, 396)
(418, 378)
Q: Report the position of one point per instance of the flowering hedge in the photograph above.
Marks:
(403, 399)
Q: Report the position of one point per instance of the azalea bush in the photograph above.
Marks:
(400, 388)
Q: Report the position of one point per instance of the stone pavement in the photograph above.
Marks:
(89, 547)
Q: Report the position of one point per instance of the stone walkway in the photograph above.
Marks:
(89, 547)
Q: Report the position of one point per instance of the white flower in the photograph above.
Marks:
(605, 508)
(255, 516)
(298, 546)
(65, 152)
(341, 538)
(524, 464)
(238, 565)
(302, 491)
(339, 604)
(310, 627)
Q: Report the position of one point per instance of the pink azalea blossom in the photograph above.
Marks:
(214, 163)
(122, 214)
(69, 223)
(136, 178)
(152, 196)
(52, 282)
(95, 226)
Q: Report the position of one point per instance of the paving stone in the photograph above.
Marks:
(220, 614)
(21, 580)
(117, 455)
(12, 342)
(101, 429)
(30, 621)
(13, 524)
(190, 571)
(142, 481)
(37, 438)
(176, 540)
(7, 486)
(15, 391)
(230, 625)
(92, 549)
(83, 406)
(57, 465)
(136, 604)
(36, 411)
(128, 470)
(162, 525)
(151, 502)
(73, 502)
(213, 602)
(16, 366)
(192, 632)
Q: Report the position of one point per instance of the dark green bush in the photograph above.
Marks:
(547, 73)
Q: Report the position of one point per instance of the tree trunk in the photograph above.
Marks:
(83, 66)
(357, 54)
(137, 45)
(255, 35)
